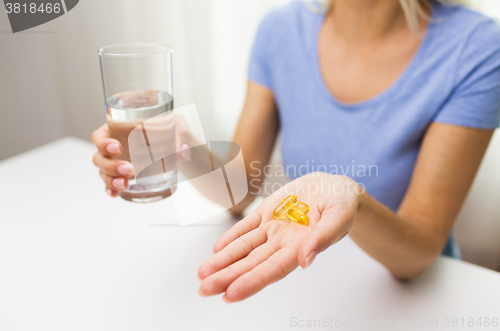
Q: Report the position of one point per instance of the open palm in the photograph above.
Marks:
(260, 250)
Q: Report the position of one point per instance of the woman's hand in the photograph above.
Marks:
(260, 250)
(114, 172)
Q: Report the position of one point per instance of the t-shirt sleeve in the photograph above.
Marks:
(475, 100)
(259, 67)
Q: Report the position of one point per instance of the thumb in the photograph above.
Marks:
(332, 227)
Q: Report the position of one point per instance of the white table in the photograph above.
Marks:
(71, 258)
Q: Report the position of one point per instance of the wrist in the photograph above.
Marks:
(363, 201)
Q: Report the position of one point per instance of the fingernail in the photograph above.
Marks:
(310, 258)
(110, 193)
(198, 277)
(225, 299)
(119, 183)
(125, 169)
(186, 152)
(113, 148)
(201, 293)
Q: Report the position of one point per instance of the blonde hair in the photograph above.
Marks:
(413, 9)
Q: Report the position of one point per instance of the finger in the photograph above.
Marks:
(271, 270)
(219, 281)
(233, 252)
(333, 225)
(114, 168)
(247, 224)
(184, 152)
(183, 138)
(112, 192)
(117, 184)
(104, 143)
(183, 143)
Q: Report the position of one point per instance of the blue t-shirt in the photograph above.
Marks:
(453, 78)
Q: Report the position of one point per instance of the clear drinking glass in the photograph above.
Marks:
(138, 91)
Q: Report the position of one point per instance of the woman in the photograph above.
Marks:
(409, 87)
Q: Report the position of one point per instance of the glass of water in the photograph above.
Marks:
(138, 91)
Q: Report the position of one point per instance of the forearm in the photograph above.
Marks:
(255, 180)
(406, 247)
(409, 241)
(256, 134)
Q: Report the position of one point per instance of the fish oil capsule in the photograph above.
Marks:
(279, 212)
(297, 216)
(293, 210)
(302, 207)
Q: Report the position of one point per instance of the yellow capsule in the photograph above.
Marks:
(292, 210)
(302, 207)
(279, 212)
(297, 216)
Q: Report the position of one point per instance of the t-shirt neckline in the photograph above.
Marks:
(393, 88)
